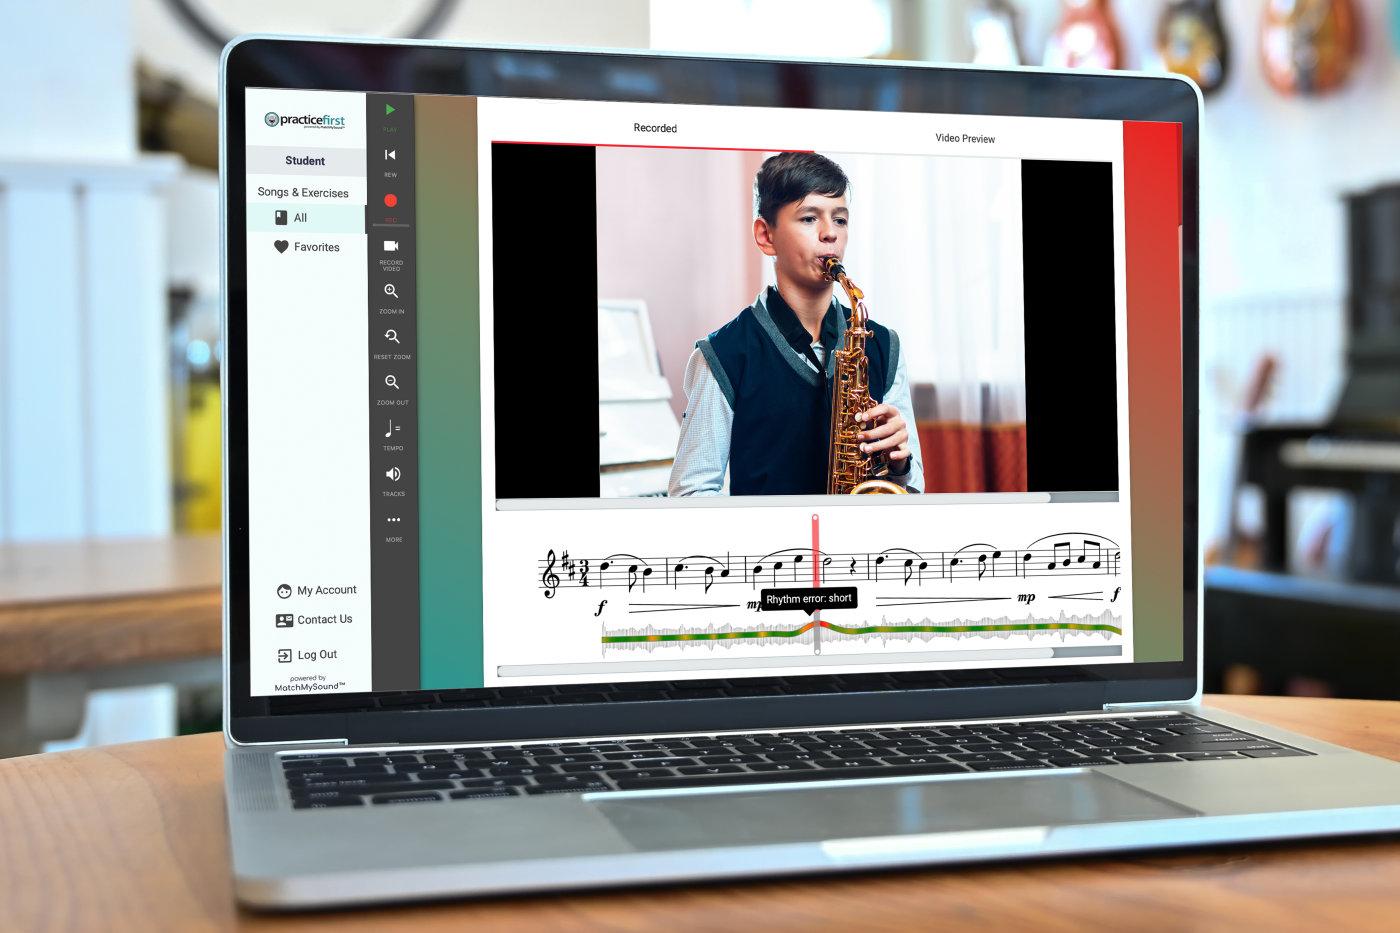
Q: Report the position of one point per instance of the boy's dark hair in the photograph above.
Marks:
(791, 176)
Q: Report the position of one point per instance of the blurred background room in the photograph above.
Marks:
(109, 310)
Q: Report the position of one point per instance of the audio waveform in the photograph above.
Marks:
(649, 638)
(1105, 624)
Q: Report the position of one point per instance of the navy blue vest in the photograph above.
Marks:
(782, 409)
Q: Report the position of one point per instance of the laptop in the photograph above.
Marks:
(549, 380)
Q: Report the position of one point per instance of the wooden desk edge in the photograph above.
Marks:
(82, 634)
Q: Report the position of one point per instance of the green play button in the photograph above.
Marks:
(388, 110)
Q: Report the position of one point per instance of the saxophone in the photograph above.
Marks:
(848, 470)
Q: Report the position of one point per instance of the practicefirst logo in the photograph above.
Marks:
(323, 122)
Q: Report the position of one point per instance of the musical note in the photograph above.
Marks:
(1066, 554)
(390, 432)
(549, 578)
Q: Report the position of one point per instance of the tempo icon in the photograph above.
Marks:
(391, 246)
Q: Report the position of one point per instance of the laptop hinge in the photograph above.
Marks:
(1110, 707)
(293, 744)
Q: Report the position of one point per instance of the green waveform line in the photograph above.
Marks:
(1013, 627)
(707, 636)
(873, 630)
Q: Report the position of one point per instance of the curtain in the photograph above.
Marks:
(935, 244)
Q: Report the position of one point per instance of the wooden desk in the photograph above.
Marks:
(81, 615)
(132, 837)
(68, 606)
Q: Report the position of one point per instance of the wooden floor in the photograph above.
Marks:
(132, 837)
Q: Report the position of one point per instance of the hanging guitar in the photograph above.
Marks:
(1309, 47)
(1191, 41)
(1086, 37)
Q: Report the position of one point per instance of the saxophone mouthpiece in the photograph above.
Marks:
(833, 269)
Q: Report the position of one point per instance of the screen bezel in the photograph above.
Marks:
(434, 68)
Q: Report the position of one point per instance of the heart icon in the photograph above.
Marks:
(281, 245)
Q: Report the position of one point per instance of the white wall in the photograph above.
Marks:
(172, 50)
(65, 72)
(84, 387)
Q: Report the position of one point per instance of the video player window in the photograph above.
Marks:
(989, 285)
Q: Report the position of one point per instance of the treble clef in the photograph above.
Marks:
(549, 578)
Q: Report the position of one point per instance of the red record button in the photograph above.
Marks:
(390, 200)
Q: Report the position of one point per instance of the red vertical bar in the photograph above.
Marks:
(816, 549)
(1152, 201)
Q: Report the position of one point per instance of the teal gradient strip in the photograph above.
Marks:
(449, 379)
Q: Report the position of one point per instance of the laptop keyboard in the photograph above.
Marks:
(359, 778)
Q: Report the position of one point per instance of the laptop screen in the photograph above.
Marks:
(550, 395)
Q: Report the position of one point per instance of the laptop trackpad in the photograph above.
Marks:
(813, 813)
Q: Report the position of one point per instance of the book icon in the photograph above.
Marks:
(280, 217)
